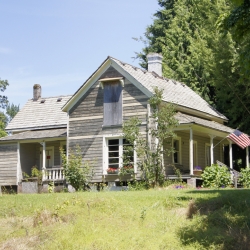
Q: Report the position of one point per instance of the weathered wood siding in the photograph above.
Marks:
(86, 120)
(201, 142)
(8, 164)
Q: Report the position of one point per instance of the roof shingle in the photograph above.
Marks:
(38, 115)
(173, 91)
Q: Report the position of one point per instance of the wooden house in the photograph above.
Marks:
(92, 118)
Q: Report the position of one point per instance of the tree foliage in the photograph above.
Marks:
(3, 98)
(11, 111)
(184, 32)
(150, 155)
(205, 44)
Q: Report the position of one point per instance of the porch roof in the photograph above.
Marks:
(187, 119)
(36, 134)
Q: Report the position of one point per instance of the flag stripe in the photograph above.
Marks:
(239, 138)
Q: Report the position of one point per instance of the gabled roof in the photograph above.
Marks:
(173, 91)
(41, 114)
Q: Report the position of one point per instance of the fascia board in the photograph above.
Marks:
(34, 140)
(191, 111)
(210, 131)
(19, 130)
(88, 84)
(202, 129)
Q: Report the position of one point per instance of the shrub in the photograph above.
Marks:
(76, 173)
(216, 176)
(245, 177)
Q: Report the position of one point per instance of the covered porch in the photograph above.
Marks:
(40, 149)
(198, 143)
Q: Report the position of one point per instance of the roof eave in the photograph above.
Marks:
(18, 130)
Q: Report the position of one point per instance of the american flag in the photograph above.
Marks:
(239, 138)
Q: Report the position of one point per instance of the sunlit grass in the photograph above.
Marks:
(154, 219)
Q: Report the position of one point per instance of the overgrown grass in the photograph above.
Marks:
(154, 219)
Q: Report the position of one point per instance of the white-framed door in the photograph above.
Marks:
(49, 157)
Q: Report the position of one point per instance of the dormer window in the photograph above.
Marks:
(112, 101)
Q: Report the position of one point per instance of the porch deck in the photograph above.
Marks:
(183, 176)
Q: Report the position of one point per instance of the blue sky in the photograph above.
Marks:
(60, 43)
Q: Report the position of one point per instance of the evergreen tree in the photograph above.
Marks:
(184, 31)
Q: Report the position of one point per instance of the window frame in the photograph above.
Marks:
(195, 154)
(179, 151)
(118, 105)
(207, 154)
(106, 153)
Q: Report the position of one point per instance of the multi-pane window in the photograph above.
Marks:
(113, 153)
(112, 106)
(119, 154)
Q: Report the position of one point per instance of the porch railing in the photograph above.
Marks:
(53, 174)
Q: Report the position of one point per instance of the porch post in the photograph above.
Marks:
(67, 139)
(191, 160)
(212, 148)
(44, 155)
(19, 172)
(247, 157)
(231, 154)
(44, 159)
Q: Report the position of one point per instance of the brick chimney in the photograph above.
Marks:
(155, 63)
(37, 91)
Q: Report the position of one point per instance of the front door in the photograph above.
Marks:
(49, 157)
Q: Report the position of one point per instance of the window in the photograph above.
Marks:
(112, 106)
(119, 153)
(207, 155)
(195, 155)
(177, 151)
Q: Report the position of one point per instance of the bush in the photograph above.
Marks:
(76, 173)
(245, 177)
(216, 176)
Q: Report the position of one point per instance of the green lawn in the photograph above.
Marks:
(154, 219)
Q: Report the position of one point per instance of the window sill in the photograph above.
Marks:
(111, 126)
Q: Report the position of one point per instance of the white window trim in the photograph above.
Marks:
(177, 138)
(196, 155)
(105, 152)
(207, 145)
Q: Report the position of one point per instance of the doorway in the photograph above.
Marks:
(49, 157)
